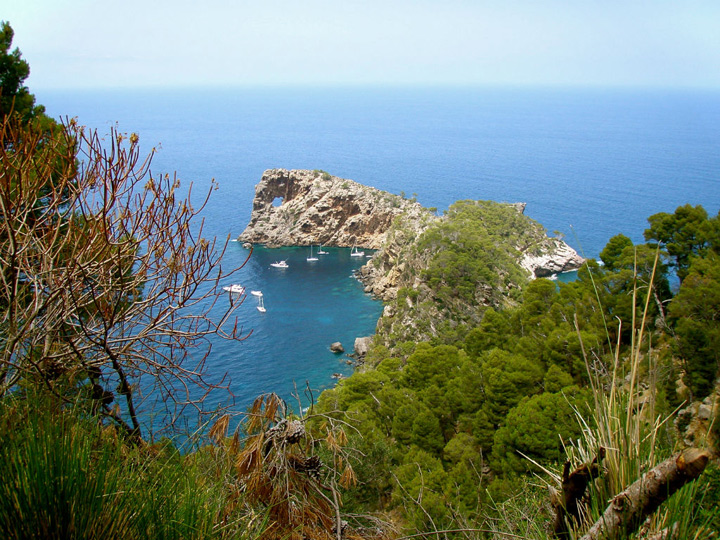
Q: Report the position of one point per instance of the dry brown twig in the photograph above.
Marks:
(569, 504)
(106, 276)
(280, 472)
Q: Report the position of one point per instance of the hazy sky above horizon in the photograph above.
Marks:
(91, 44)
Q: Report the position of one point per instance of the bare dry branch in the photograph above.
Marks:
(574, 487)
(105, 268)
(628, 509)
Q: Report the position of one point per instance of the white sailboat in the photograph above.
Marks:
(355, 253)
(311, 258)
(234, 289)
(322, 251)
(261, 304)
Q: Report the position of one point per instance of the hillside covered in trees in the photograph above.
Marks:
(456, 424)
(532, 411)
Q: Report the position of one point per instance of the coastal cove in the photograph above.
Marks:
(588, 163)
(309, 306)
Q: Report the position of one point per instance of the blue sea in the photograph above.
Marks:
(589, 163)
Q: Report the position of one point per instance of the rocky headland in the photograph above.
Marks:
(302, 208)
(431, 271)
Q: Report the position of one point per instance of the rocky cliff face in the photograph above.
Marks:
(300, 208)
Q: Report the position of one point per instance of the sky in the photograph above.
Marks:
(179, 43)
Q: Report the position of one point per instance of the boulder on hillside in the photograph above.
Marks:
(362, 346)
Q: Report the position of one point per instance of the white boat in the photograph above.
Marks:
(261, 304)
(322, 251)
(356, 253)
(234, 289)
(311, 258)
(279, 264)
(256, 293)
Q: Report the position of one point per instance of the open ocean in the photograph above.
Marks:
(589, 163)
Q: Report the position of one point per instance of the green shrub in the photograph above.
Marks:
(66, 476)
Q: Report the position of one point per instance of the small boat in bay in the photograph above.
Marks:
(355, 253)
(311, 258)
(234, 289)
(279, 264)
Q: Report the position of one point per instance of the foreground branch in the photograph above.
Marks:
(105, 276)
(629, 508)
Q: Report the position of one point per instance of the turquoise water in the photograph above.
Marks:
(309, 306)
(590, 163)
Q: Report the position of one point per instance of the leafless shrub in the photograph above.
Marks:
(107, 282)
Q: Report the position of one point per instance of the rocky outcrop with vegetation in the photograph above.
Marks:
(447, 272)
(301, 208)
(531, 249)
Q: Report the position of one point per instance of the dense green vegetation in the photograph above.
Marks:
(457, 421)
(15, 97)
(480, 233)
(455, 269)
(461, 429)
(66, 476)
